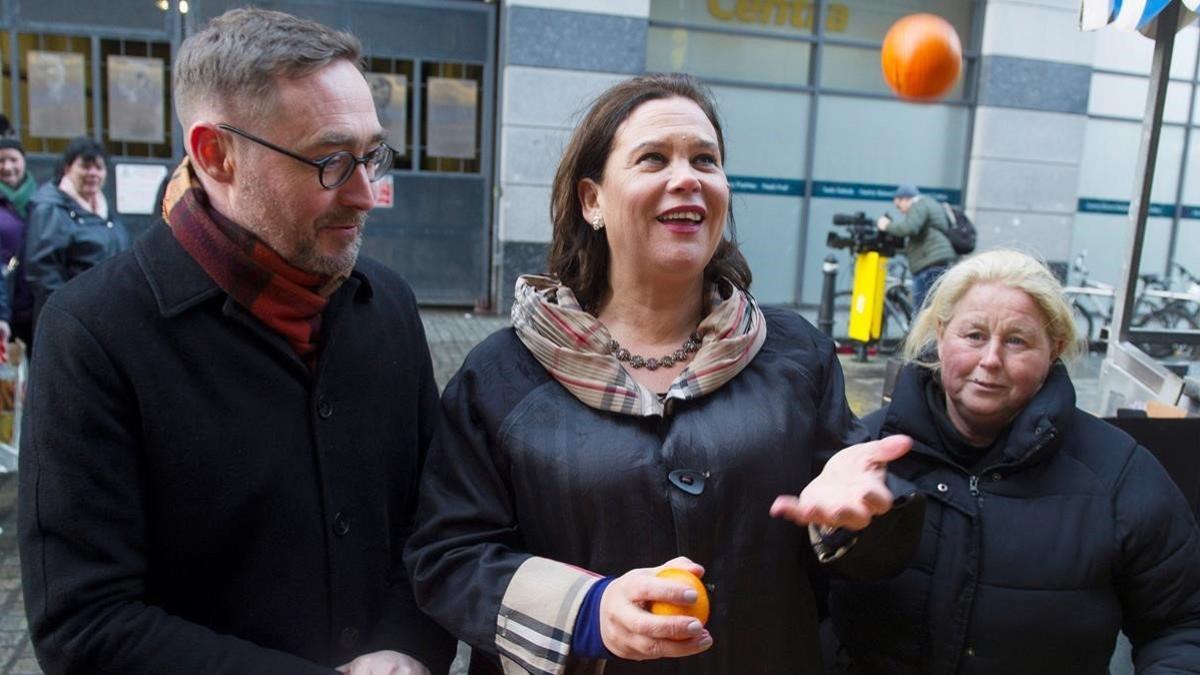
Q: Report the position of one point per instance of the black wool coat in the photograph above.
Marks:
(193, 500)
(1033, 564)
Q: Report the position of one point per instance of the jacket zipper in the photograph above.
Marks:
(974, 485)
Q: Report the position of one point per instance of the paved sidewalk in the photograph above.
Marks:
(451, 335)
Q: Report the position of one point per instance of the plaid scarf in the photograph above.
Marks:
(573, 346)
(288, 300)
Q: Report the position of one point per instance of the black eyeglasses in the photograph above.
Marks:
(335, 169)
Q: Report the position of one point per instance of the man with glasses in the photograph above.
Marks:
(226, 425)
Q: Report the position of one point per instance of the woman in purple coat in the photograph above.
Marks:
(16, 189)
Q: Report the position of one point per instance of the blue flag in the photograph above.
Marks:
(1136, 15)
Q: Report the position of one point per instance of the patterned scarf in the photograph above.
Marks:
(573, 346)
(289, 301)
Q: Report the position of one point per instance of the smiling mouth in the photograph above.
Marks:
(688, 217)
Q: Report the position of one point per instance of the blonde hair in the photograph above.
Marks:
(1008, 267)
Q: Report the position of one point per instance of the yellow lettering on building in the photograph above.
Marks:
(839, 18)
(749, 11)
(719, 13)
(797, 13)
(802, 15)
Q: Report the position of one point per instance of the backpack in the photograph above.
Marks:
(961, 232)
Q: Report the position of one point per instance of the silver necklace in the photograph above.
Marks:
(689, 347)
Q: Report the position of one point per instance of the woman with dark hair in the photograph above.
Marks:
(644, 412)
(16, 191)
(70, 227)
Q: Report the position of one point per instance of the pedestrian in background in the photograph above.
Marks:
(923, 224)
(71, 228)
(17, 187)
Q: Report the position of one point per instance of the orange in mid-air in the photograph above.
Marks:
(698, 609)
(921, 57)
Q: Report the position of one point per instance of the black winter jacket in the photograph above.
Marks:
(1033, 564)
(64, 240)
(194, 500)
(522, 468)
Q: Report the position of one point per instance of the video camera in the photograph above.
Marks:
(863, 235)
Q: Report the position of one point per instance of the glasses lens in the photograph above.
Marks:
(337, 169)
(380, 162)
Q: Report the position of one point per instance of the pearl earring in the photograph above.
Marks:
(598, 223)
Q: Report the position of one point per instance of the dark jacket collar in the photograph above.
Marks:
(179, 283)
(1036, 432)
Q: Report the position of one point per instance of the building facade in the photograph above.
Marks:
(1037, 140)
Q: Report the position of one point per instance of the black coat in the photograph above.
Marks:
(1033, 564)
(193, 500)
(65, 240)
(523, 468)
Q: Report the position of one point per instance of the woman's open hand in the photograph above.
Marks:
(630, 631)
(850, 491)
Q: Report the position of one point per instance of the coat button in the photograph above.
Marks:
(341, 524)
(942, 487)
(349, 637)
(970, 651)
(996, 476)
(324, 408)
(691, 482)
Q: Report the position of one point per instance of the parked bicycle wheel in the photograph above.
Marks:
(897, 318)
(1166, 318)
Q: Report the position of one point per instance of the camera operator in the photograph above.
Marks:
(924, 223)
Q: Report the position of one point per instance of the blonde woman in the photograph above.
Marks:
(1047, 530)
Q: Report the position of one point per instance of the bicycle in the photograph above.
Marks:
(897, 307)
(1156, 306)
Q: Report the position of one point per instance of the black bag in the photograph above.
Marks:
(961, 232)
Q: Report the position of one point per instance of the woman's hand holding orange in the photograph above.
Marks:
(630, 631)
(850, 491)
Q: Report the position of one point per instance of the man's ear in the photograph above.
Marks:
(210, 151)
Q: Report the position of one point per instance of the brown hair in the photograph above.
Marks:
(579, 255)
(235, 59)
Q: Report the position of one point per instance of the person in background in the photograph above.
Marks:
(226, 425)
(17, 187)
(1047, 530)
(645, 412)
(71, 228)
(923, 225)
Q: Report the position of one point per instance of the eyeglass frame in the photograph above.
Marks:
(321, 162)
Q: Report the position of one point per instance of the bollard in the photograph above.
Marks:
(825, 315)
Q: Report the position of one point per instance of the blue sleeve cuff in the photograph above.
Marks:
(586, 641)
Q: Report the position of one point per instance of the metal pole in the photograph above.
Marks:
(810, 135)
(1177, 213)
(1143, 177)
(829, 270)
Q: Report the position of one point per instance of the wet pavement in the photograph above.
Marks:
(451, 335)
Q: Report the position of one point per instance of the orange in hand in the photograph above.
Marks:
(698, 609)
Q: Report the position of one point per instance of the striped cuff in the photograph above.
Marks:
(537, 615)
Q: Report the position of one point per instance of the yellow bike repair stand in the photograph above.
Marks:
(866, 302)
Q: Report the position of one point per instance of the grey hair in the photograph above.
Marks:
(232, 63)
(1007, 267)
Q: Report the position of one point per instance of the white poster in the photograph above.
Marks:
(57, 104)
(391, 104)
(137, 186)
(450, 131)
(135, 99)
